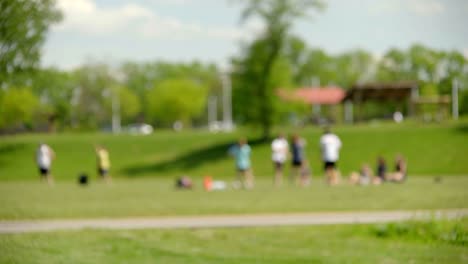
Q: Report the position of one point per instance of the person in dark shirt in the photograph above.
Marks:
(381, 168)
(300, 169)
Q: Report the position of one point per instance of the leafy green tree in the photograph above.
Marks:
(318, 67)
(452, 66)
(55, 90)
(176, 100)
(246, 96)
(464, 101)
(130, 105)
(17, 107)
(395, 66)
(91, 95)
(262, 55)
(141, 77)
(352, 67)
(23, 28)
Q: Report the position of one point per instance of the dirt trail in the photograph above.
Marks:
(252, 220)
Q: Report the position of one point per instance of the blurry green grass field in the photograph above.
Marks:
(429, 149)
(408, 242)
(144, 170)
(157, 197)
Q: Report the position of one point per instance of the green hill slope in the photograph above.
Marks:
(429, 149)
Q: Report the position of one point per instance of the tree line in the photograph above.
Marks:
(162, 92)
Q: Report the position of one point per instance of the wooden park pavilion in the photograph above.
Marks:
(399, 92)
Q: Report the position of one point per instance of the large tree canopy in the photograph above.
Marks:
(23, 28)
(176, 100)
(262, 56)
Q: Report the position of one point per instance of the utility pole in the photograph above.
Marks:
(212, 110)
(455, 99)
(116, 120)
(74, 101)
(115, 112)
(227, 101)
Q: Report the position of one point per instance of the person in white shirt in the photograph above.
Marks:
(330, 145)
(280, 150)
(44, 157)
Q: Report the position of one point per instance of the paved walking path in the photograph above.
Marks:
(252, 220)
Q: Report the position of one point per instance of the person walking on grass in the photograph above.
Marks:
(330, 145)
(280, 150)
(241, 152)
(44, 157)
(103, 163)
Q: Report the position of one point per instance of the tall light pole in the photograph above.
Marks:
(116, 120)
(227, 100)
(212, 110)
(455, 99)
(74, 101)
(116, 126)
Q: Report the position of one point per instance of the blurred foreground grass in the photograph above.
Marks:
(407, 242)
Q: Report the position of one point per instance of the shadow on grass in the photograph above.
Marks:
(7, 149)
(10, 149)
(189, 160)
(462, 128)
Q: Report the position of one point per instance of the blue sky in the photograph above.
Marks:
(210, 30)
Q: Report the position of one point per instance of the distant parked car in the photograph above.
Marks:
(140, 129)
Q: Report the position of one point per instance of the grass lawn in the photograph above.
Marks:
(408, 242)
(429, 149)
(157, 197)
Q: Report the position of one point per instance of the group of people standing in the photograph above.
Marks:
(282, 151)
(45, 155)
(280, 154)
(300, 172)
(330, 145)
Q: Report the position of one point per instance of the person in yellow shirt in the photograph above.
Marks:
(103, 163)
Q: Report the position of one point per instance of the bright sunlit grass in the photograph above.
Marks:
(157, 197)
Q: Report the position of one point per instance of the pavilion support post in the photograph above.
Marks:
(317, 112)
(348, 111)
(334, 112)
(414, 96)
(359, 104)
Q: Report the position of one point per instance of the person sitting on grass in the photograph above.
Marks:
(184, 182)
(241, 153)
(363, 177)
(381, 171)
(400, 173)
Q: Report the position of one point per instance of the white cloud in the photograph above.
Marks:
(415, 7)
(426, 7)
(86, 17)
(172, 2)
